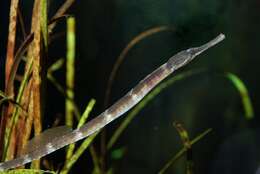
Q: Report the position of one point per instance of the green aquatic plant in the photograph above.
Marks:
(245, 98)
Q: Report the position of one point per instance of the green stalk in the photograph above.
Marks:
(245, 98)
(78, 153)
(15, 114)
(182, 151)
(70, 72)
(82, 120)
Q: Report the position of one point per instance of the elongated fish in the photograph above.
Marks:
(56, 138)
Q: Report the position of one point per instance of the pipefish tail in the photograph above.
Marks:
(48, 141)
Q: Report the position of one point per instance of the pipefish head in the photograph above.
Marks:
(184, 57)
(180, 59)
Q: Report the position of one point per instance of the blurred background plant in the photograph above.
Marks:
(109, 48)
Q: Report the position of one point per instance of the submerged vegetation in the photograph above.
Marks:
(22, 101)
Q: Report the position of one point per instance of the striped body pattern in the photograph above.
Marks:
(43, 147)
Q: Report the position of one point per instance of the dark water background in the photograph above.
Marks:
(202, 101)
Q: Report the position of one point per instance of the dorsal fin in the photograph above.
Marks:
(44, 138)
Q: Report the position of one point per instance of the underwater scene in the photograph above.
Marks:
(129, 87)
